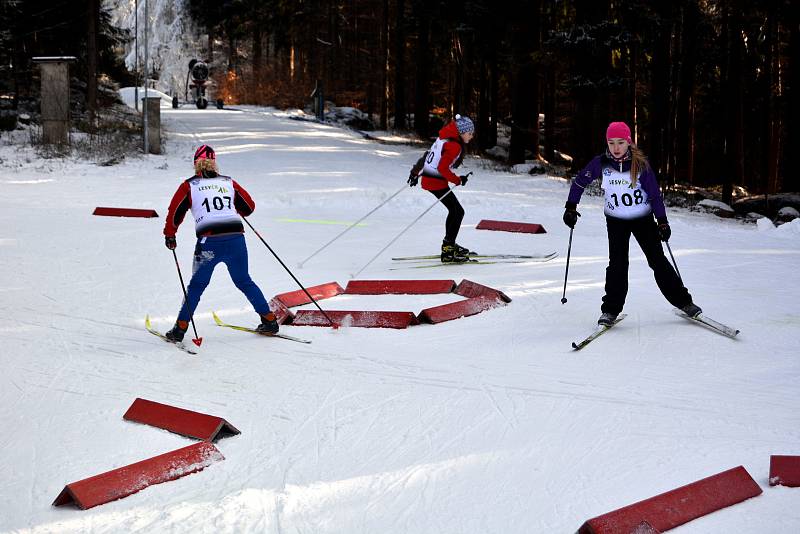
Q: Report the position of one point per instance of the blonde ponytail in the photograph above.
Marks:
(204, 165)
(638, 163)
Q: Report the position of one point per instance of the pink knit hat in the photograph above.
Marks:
(619, 130)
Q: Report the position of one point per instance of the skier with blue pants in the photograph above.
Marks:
(216, 203)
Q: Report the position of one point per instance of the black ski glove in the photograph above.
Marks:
(664, 231)
(464, 178)
(170, 242)
(571, 215)
(413, 179)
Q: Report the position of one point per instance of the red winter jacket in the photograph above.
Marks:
(451, 153)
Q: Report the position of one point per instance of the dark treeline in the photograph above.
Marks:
(79, 28)
(710, 88)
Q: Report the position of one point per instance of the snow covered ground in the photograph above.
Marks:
(486, 424)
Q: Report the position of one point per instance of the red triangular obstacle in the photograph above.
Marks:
(127, 480)
(511, 226)
(399, 287)
(124, 212)
(784, 471)
(184, 422)
(678, 506)
(358, 319)
(299, 297)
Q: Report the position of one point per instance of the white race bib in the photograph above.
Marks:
(622, 200)
(212, 202)
(431, 167)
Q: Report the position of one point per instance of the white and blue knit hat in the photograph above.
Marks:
(464, 124)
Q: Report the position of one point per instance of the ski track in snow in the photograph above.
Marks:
(485, 424)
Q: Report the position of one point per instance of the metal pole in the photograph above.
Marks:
(673, 261)
(136, 55)
(401, 233)
(566, 272)
(323, 247)
(146, 75)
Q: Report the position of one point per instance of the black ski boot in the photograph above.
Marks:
(462, 251)
(692, 310)
(607, 319)
(178, 331)
(450, 254)
(269, 324)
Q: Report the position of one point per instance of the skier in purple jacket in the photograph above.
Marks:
(632, 198)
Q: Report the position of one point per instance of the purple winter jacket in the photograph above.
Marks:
(594, 170)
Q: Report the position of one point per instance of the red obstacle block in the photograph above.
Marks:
(124, 212)
(127, 480)
(678, 506)
(784, 471)
(398, 287)
(299, 297)
(184, 422)
(644, 528)
(462, 308)
(282, 314)
(360, 319)
(470, 289)
(510, 226)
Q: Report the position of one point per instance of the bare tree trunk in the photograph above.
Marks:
(683, 119)
(525, 85)
(422, 93)
(659, 102)
(549, 105)
(732, 95)
(385, 67)
(91, 67)
(791, 178)
(773, 117)
(400, 67)
(257, 74)
(494, 92)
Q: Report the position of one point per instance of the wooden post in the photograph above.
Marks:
(153, 110)
(55, 98)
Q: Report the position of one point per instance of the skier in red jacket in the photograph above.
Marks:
(446, 154)
(216, 203)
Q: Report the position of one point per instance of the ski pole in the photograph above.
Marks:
(197, 339)
(429, 208)
(566, 272)
(673, 261)
(376, 208)
(334, 325)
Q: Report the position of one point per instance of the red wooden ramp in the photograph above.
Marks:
(283, 314)
(678, 506)
(299, 297)
(470, 289)
(399, 287)
(462, 308)
(784, 471)
(360, 319)
(127, 480)
(184, 422)
(510, 226)
(124, 212)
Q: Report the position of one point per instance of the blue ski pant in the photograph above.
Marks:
(232, 251)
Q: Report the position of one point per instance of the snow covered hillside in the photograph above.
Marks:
(487, 424)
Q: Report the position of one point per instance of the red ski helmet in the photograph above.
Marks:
(205, 152)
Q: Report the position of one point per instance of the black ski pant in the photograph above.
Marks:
(455, 214)
(645, 230)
